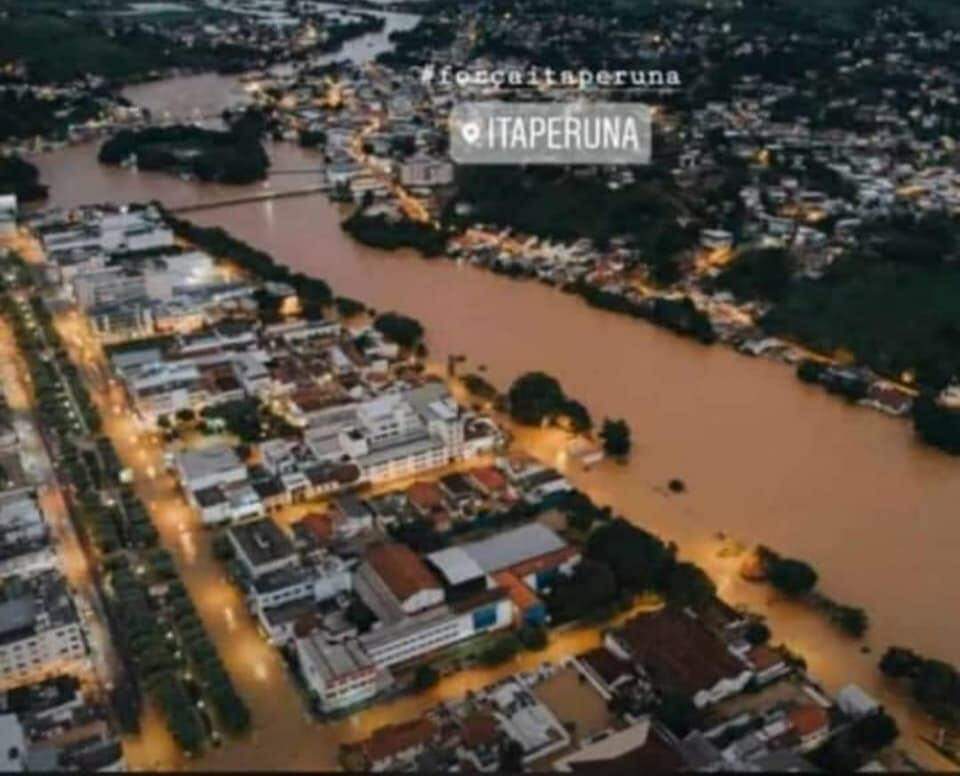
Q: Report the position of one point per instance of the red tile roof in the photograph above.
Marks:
(392, 740)
(521, 595)
(480, 729)
(425, 496)
(544, 562)
(677, 650)
(606, 665)
(401, 569)
(320, 525)
(808, 719)
(490, 478)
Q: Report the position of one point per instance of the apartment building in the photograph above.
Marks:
(40, 630)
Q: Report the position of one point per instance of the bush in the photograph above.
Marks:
(792, 577)
(501, 651)
(425, 677)
(533, 638)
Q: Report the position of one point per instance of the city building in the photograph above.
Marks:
(40, 630)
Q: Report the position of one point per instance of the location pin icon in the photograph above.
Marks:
(470, 132)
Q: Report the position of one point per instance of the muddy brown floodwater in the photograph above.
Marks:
(765, 458)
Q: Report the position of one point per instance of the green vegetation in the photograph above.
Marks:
(798, 579)
(616, 438)
(58, 48)
(210, 155)
(425, 677)
(248, 419)
(853, 746)
(380, 231)
(551, 203)
(764, 273)
(934, 684)
(937, 425)
(399, 329)
(536, 398)
(20, 178)
(893, 317)
(678, 315)
(503, 649)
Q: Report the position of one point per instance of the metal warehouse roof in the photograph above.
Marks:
(456, 565)
(512, 547)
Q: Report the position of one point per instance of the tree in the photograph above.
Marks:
(936, 682)
(898, 663)
(764, 273)
(689, 585)
(792, 577)
(875, 731)
(534, 397)
(851, 619)
(757, 633)
(399, 329)
(577, 416)
(533, 637)
(591, 588)
(425, 677)
(638, 559)
(616, 438)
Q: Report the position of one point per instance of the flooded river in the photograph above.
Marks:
(765, 458)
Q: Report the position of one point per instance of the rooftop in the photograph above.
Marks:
(510, 548)
(676, 649)
(262, 541)
(455, 565)
(401, 570)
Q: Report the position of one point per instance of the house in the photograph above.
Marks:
(641, 748)
(391, 746)
(425, 497)
(489, 480)
(677, 653)
(261, 547)
(350, 515)
(606, 670)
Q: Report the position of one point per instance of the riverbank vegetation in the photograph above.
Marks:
(678, 315)
(536, 399)
(20, 178)
(399, 329)
(219, 243)
(934, 684)
(210, 155)
(798, 580)
(937, 425)
(904, 271)
(381, 231)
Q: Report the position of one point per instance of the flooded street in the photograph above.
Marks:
(766, 459)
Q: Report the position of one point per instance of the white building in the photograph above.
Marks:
(210, 467)
(39, 630)
(339, 675)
